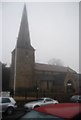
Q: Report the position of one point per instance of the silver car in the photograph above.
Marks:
(76, 98)
(7, 104)
(39, 102)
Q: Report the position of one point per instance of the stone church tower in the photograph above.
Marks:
(28, 79)
(22, 59)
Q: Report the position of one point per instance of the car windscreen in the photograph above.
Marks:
(6, 100)
(35, 114)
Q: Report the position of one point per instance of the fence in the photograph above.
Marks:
(61, 97)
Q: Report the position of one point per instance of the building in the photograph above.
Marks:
(5, 77)
(29, 78)
(79, 47)
(0, 76)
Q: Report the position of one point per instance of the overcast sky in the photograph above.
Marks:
(54, 30)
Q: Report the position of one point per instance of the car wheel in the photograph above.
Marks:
(10, 110)
(56, 103)
(36, 106)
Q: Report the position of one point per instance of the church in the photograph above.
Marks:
(30, 79)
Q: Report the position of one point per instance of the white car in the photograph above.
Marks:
(7, 104)
(39, 102)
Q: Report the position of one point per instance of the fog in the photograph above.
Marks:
(54, 31)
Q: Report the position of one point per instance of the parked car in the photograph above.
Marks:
(7, 105)
(39, 102)
(61, 111)
(76, 98)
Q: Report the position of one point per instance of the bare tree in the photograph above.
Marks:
(55, 61)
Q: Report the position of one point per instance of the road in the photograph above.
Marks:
(17, 114)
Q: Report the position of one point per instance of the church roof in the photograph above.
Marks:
(24, 37)
(54, 68)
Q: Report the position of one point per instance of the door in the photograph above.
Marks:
(48, 101)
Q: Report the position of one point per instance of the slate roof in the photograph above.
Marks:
(52, 68)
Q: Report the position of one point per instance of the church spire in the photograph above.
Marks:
(24, 37)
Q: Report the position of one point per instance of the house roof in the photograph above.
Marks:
(52, 68)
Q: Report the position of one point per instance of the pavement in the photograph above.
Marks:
(17, 114)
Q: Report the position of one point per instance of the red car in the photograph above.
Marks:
(61, 111)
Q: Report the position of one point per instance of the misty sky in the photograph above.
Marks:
(54, 31)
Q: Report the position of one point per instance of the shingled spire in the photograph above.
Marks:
(24, 37)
